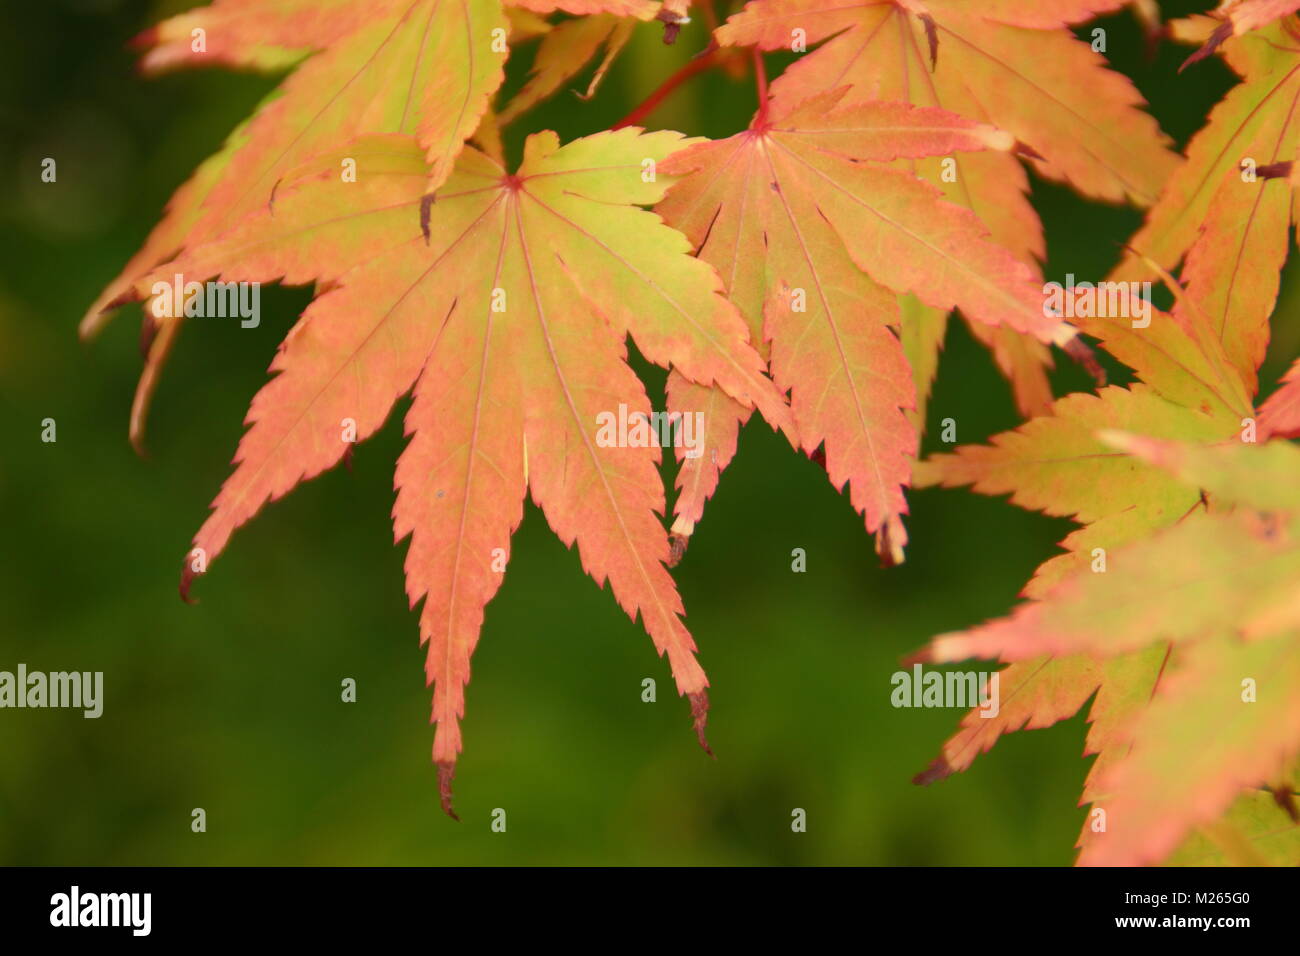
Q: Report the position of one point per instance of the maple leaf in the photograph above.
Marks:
(506, 302)
(813, 234)
(1012, 64)
(1063, 464)
(1221, 587)
(1236, 192)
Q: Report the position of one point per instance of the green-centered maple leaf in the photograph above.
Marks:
(507, 307)
(1012, 64)
(815, 237)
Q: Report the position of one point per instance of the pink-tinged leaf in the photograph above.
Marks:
(1035, 79)
(507, 302)
(794, 213)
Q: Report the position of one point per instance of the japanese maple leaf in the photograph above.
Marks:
(1236, 189)
(1012, 64)
(1221, 587)
(506, 303)
(1060, 464)
(815, 237)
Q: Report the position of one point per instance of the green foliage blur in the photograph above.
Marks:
(234, 705)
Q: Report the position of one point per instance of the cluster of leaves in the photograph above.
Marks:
(1187, 500)
(804, 267)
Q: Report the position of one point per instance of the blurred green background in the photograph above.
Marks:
(234, 705)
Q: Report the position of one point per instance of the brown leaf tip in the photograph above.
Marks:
(699, 717)
(818, 457)
(938, 770)
(672, 22)
(187, 578)
(890, 540)
(677, 548)
(1221, 33)
(1079, 351)
(446, 770)
(917, 657)
(1024, 149)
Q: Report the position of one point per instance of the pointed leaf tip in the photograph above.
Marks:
(1079, 351)
(677, 543)
(890, 541)
(1024, 149)
(446, 770)
(939, 769)
(187, 578)
(1221, 33)
(673, 22)
(699, 717)
(922, 656)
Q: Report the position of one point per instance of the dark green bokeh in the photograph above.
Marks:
(233, 705)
